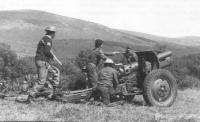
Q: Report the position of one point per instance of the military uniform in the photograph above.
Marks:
(92, 66)
(129, 57)
(42, 60)
(107, 83)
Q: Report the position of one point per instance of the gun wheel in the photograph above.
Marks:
(160, 88)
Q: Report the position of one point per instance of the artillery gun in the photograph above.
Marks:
(147, 77)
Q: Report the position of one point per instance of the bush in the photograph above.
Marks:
(72, 77)
(82, 58)
(186, 69)
(12, 67)
(189, 82)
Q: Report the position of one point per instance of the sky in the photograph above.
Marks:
(169, 18)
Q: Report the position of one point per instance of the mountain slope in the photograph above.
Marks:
(189, 41)
(23, 29)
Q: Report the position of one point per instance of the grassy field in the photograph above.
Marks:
(185, 109)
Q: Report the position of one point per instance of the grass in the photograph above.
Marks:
(185, 109)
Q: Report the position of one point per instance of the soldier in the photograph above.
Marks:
(94, 60)
(108, 81)
(43, 59)
(130, 56)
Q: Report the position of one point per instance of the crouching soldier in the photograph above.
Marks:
(44, 57)
(108, 81)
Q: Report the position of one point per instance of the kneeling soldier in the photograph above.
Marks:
(108, 81)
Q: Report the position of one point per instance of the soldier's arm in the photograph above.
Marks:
(111, 53)
(47, 48)
(102, 55)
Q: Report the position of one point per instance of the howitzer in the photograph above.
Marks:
(146, 76)
(150, 60)
(142, 77)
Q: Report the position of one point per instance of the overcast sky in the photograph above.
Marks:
(172, 18)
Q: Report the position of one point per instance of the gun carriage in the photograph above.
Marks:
(146, 77)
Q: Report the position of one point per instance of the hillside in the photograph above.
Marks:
(181, 46)
(23, 29)
(189, 41)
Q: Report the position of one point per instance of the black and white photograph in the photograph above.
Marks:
(100, 60)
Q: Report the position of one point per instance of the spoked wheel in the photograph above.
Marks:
(160, 88)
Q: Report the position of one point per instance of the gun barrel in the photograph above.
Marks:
(164, 55)
(166, 62)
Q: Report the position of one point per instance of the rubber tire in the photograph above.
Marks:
(147, 93)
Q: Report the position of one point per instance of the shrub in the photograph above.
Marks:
(189, 82)
(12, 67)
(72, 77)
(82, 58)
(186, 69)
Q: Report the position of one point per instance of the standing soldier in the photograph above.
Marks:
(108, 81)
(43, 57)
(94, 60)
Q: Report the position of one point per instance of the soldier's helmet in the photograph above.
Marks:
(108, 61)
(50, 28)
